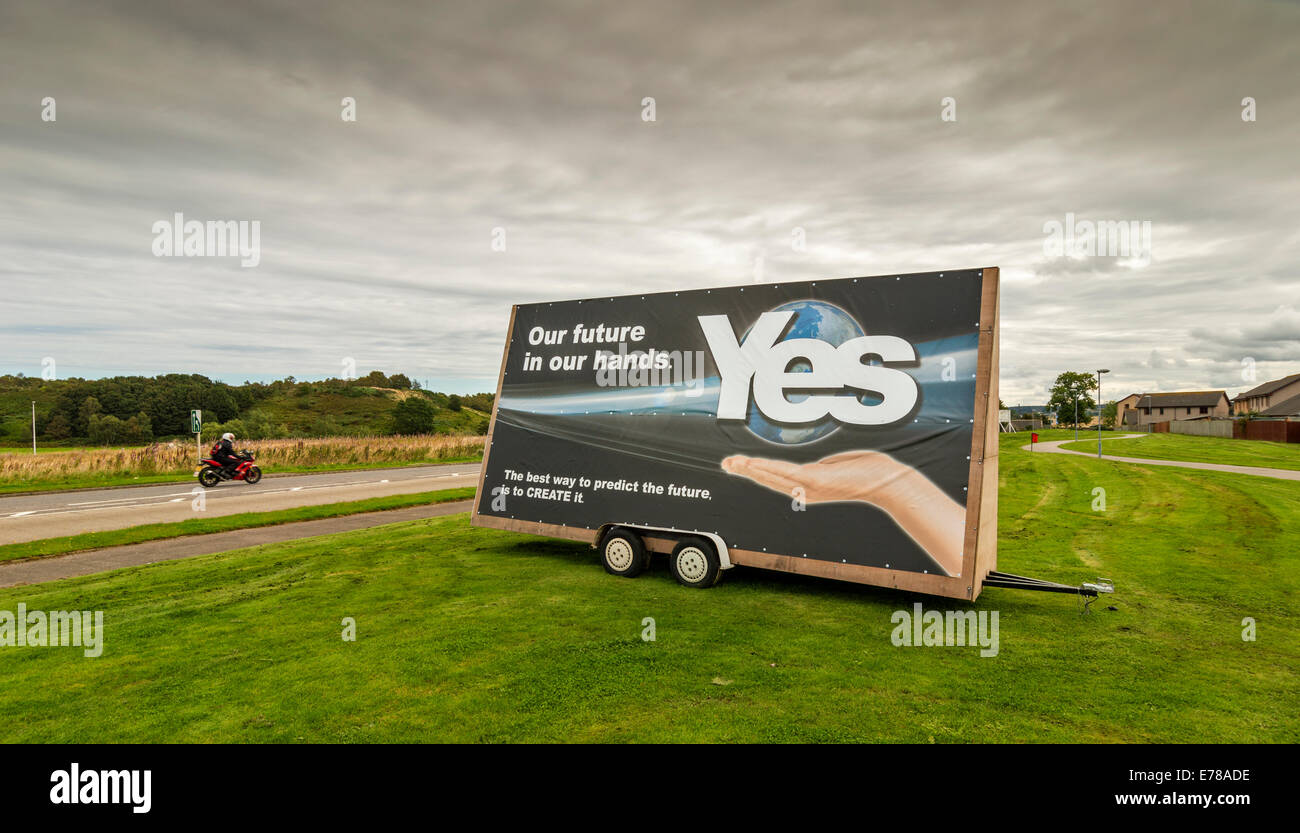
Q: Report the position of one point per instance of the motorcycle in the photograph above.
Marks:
(211, 472)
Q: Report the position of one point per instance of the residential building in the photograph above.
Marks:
(1289, 408)
(1196, 404)
(1124, 407)
(1265, 396)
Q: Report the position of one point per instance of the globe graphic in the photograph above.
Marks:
(812, 319)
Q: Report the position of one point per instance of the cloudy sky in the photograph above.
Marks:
(377, 234)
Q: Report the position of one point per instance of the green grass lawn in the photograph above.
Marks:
(1197, 450)
(202, 526)
(102, 481)
(477, 635)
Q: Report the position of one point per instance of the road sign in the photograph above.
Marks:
(196, 422)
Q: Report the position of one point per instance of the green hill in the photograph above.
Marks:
(308, 411)
(16, 397)
(127, 410)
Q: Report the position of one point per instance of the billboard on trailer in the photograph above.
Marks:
(843, 428)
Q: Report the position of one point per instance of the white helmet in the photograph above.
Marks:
(228, 436)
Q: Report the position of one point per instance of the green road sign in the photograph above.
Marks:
(196, 422)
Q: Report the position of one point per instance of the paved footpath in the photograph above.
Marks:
(1054, 447)
(37, 570)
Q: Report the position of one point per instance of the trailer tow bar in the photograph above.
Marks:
(1089, 590)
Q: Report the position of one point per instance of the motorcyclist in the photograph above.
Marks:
(224, 453)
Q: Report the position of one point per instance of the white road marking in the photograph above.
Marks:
(155, 501)
(126, 499)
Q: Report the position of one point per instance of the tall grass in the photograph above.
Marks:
(181, 458)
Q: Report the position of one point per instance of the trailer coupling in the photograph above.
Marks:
(1088, 588)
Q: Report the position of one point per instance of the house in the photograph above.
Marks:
(1289, 408)
(1125, 407)
(1195, 404)
(1265, 396)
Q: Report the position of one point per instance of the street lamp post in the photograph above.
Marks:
(1099, 372)
(1076, 416)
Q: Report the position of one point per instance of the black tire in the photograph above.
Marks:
(623, 553)
(695, 563)
(209, 477)
(253, 475)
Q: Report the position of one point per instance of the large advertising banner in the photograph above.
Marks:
(830, 427)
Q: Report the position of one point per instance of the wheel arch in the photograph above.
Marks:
(671, 533)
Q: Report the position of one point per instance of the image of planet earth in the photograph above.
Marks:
(812, 319)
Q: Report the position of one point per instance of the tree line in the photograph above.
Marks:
(138, 409)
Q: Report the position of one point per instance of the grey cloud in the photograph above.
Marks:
(822, 115)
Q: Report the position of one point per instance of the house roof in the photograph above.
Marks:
(1268, 387)
(1290, 407)
(1182, 399)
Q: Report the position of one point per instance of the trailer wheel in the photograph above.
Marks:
(694, 563)
(624, 554)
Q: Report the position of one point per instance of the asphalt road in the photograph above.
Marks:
(51, 514)
(37, 570)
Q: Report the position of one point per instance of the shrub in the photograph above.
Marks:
(413, 415)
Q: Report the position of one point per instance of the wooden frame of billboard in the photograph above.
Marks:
(980, 548)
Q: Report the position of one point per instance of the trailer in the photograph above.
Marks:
(843, 428)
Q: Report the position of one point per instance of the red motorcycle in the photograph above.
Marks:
(212, 472)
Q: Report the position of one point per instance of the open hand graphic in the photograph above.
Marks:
(924, 511)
